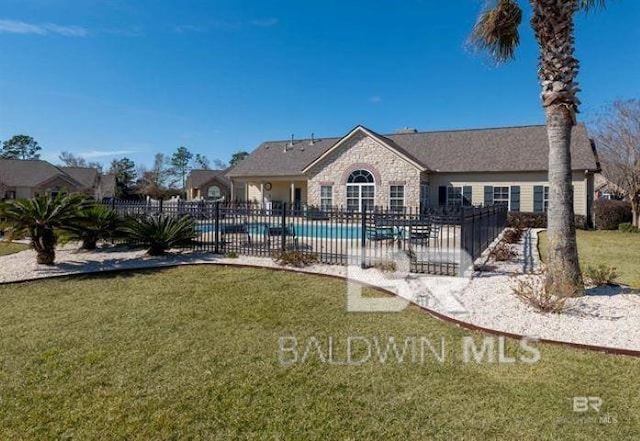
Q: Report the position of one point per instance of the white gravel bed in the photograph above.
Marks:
(606, 316)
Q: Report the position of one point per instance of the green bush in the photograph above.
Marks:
(160, 233)
(610, 214)
(627, 227)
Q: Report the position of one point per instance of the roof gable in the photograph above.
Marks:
(383, 141)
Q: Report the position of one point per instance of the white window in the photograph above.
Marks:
(396, 197)
(326, 197)
(214, 192)
(360, 191)
(501, 195)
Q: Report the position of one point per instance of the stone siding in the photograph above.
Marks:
(364, 152)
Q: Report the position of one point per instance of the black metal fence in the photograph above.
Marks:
(443, 240)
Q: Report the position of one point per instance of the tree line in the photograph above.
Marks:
(166, 177)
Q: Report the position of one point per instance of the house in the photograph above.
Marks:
(30, 178)
(207, 184)
(414, 169)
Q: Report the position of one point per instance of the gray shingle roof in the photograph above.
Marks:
(197, 178)
(508, 149)
(85, 175)
(29, 173)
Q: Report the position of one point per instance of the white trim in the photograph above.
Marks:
(371, 134)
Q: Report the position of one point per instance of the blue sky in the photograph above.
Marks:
(107, 78)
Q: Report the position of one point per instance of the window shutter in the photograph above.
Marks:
(488, 195)
(467, 192)
(538, 198)
(442, 195)
(515, 198)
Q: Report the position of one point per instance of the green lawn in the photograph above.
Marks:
(192, 353)
(621, 250)
(11, 247)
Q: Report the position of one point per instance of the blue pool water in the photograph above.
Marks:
(327, 231)
(318, 230)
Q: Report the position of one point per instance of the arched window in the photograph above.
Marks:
(360, 190)
(361, 177)
(214, 192)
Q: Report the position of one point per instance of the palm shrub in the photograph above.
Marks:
(93, 223)
(159, 233)
(40, 219)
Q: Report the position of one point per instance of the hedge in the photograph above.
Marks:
(609, 214)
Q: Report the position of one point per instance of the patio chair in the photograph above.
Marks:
(273, 235)
(235, 234)
(380, 229)
(420, 233)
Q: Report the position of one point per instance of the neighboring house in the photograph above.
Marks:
(411, 169)
(207, 184)
(30, 178)
(604, 189)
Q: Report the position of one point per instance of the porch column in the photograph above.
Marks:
(262, 195)
(292, 193)
(232, 195)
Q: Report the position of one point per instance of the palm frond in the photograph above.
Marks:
(496, 30)
(588, 5)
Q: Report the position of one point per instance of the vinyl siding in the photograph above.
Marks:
(526, 181)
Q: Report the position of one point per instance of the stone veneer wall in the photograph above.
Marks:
(364, 152)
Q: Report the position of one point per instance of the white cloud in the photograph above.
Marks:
(102, 153)
(264, 22)
(23, 28)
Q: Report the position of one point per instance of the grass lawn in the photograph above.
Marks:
(11, 247)
(621, 250)
(193, 352)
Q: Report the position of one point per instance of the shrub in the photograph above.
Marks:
(582, 222)
(627, 227)
(502, 252)
(160, 233)
(294, 258)
(231, 255)
(609, 214)
(533, 292)
(40, 219)
(94, 223)
(601, 274)
(524, 220)
(512, 235)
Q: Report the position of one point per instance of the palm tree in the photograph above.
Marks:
(93, 223)
(496, 31)
(39, 218)
(160, 233)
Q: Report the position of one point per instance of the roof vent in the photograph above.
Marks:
(288, 145)
(313, 140)
(405, 130)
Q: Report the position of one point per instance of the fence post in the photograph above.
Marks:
(363, 237)
(284, 227)
(160, 204)
(217, 228)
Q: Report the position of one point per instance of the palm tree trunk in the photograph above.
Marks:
(563, 273)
